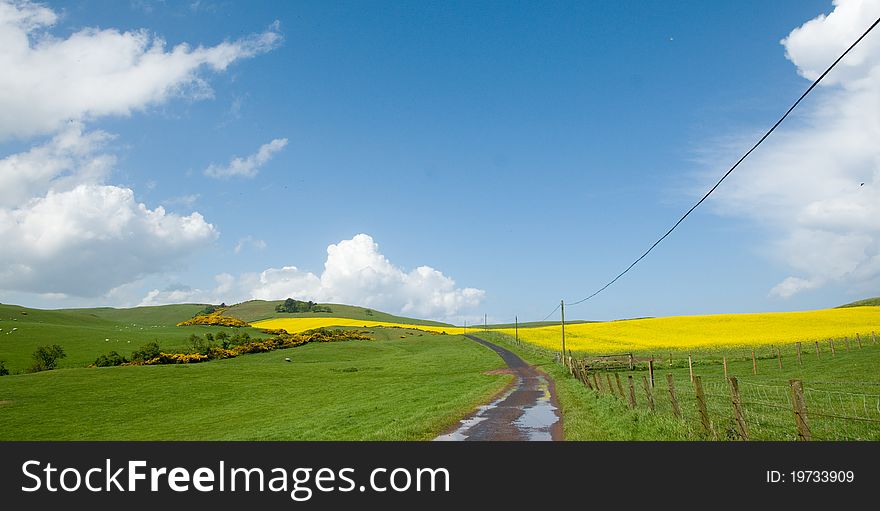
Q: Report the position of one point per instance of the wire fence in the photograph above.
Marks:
(730, 408)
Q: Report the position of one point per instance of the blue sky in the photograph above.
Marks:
(524, 149)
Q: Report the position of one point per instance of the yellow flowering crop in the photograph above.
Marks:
(294, 325)
(690, 332)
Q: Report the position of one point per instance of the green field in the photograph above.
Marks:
(846, 384)
(87, 333)
(385, 389)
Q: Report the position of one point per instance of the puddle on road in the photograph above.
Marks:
(466, 424)
(534, 422)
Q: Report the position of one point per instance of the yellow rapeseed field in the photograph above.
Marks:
(695, 332)
(294, 325)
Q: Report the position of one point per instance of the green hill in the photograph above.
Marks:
(256, 310)
(862, 303)
(168, 315)
(87, 333)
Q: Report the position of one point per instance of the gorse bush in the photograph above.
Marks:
(46, 358)
(240, 344)
(214, 319)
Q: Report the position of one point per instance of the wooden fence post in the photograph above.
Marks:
(670, 359)
(648, 394)
(831, 342)
(799, 354)
(610, 386)
(779, 357)
(737, 408)
(632, 392)
(799, 407)
(631, 362)
(691, 367)
(846, 342)
(724, 361)
(817, 351)
(676, 410)
(597, 382)
(859, 340)
(754, 363)
(619, 386)
(701, 405)
(651, 371)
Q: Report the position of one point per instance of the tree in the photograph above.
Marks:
(3, 370)
(46, 357)
(146, 352)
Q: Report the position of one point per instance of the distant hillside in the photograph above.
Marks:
(84, 334)
(874, 302)
(256, 310)
(154, 315)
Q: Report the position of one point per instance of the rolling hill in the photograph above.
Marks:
(259, 310)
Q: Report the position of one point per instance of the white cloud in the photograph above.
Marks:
(68, 159)
(47, 81)
(805, 183)
(90, 239)
(249, 166)
(355, 272)
(249, 241)
(64, 231)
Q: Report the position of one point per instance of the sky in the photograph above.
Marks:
(439, 160)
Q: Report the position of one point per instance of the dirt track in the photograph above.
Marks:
(526, 410)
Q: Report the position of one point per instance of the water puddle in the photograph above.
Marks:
(527, 406)
(535, 422)
(479, 416)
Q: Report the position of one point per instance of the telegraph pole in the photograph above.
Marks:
(516, 328)
(486, 322)
(562, 306)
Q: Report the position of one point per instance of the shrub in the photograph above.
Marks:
(291, 305)
(3, 370)
(199, 345)
(110, 360)
(146, 352)
(46, 357)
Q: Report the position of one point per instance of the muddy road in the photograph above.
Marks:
(525, 410)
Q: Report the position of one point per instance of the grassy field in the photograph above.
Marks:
(385, 389)
(706, 332)
(87, 333)
(845, 384)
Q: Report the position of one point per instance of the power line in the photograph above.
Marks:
(551, 312)
(735, 165)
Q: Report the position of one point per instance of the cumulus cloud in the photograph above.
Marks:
(355, 272)
(47, 81)
(816, 183)
(70, 158)
(90, 239)
(249, 166)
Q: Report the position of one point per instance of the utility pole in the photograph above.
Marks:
(562, 306)
(486, 322)
(516, 328)
(465, 327)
